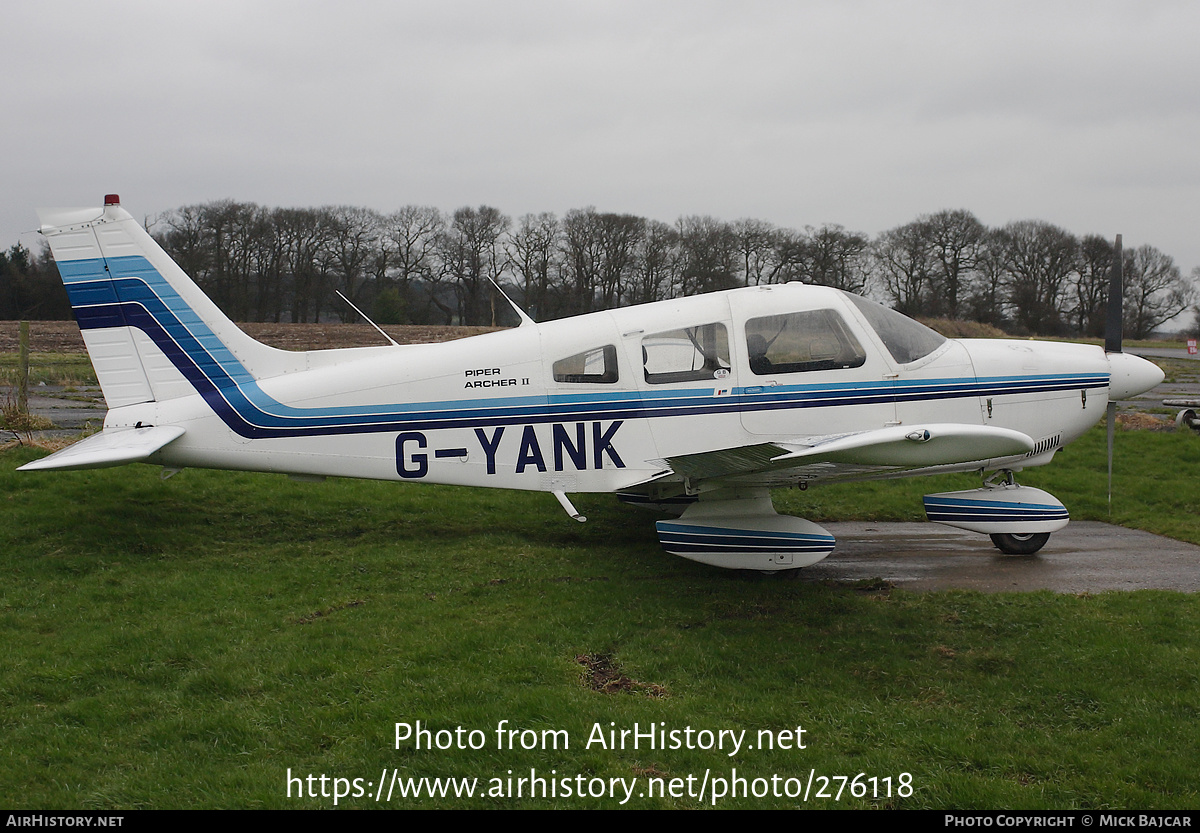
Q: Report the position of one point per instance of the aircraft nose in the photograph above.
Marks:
(1130, 375)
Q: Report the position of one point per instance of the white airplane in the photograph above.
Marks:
(701, 404)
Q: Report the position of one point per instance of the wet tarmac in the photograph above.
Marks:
(71, 409)
(1086, 557)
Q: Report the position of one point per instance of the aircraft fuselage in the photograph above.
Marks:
(489, 410)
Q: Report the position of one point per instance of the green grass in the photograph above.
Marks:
(50, 368)
(185, 643)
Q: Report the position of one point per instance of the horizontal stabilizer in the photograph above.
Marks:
(111, 447)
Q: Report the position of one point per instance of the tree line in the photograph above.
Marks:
(420, 265)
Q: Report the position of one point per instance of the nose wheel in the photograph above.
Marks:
(1019, 519)
(1014, 543)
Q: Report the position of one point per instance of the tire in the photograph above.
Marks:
(1013, 543)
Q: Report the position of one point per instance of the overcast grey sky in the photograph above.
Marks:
(867, 114)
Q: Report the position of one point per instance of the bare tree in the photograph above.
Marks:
(902, 263)
(271, 264)
(657, 263)
(185, 237)
(709, 258)
(1039, 259)
(955, 244)
(30, 287)
(836, 257)
(619, 238)
(301, 232)
(470, 254)
(351, 243)
(262, 264)
(756, 245)
(583, 254)
(1155, 291)
(413, 236)
(533, 251)
(1089, 291)
(986, 302)
(789, 257)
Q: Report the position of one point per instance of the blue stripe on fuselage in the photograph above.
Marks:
(145, 300)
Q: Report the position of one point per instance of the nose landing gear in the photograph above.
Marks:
(1014, 543)
(1018, 519)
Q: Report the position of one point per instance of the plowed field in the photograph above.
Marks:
(63, 336)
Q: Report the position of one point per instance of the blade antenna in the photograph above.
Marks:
(525, 319)
(365, 318)
(1112, 344)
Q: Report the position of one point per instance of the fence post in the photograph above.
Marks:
(23, 369)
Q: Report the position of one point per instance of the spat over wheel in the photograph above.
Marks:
(1012, 543)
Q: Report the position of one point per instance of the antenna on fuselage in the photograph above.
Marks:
(365, 318)
(525, 319)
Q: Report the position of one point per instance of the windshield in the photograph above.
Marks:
(904, 338)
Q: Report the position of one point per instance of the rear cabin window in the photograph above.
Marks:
(596, 366)
(691, 354)
(801, 341)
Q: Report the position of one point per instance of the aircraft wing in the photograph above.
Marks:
(860, 453)
(111, 447)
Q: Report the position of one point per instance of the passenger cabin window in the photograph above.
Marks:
(801, 341)
(905, 339)
(597, 366)
(688, 355)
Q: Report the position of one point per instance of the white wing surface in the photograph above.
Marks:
(861, 454)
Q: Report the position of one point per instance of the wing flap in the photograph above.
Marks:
(111, 447)
(725, 461)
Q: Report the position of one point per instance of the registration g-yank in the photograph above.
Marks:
(699, 405)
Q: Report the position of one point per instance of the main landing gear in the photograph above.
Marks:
(739, 529)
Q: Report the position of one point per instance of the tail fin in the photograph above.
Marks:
(151, 332)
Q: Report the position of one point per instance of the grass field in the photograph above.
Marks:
(187, 643)
(50, 368)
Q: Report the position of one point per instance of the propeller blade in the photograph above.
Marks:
(1112, 425)
(1112, 342)
(1116, 293)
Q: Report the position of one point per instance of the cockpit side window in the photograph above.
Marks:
(801, 341)
(905, 339)
(595, 366)
(686, 355)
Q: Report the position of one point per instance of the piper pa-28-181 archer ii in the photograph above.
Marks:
(699, 405)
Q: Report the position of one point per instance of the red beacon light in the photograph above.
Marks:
(112, 199)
